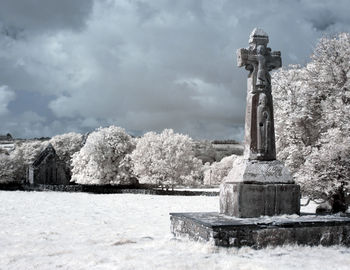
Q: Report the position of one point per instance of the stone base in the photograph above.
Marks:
(261, 232)
(259, 172)
(255, 200)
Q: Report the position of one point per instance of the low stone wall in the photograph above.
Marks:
(107, 189)
(11, 186)
(61, 188)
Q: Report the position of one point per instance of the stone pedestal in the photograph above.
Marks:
(222, 230)
(258, 172)
(255, 200)
(256, 188)
(259, 185)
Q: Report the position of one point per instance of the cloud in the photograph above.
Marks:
(19, 18)
(148, 65)
(6, 95)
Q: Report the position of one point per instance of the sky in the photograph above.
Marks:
(73, 66)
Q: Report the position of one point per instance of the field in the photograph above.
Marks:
(52, 230)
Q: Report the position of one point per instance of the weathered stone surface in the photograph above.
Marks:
(255, 200)
(259, 123)
(258, 184)
(253, 171)
(261, 232)
(48, 169)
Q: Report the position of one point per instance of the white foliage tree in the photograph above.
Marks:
(31, 149)
(24, 154)
(14, 164)
(11, 166)
(104, 158)
(327, 169)
(217, 171)
(166, 159)
(66, 145)
(312, 111)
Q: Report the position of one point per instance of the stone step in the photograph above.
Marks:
(221, 230)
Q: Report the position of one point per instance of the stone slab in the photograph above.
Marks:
(221, 230)
(256, 171)
(255, 200)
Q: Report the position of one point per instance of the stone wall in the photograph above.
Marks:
(106, 189)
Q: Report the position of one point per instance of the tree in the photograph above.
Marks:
(166, 159)
(326, 171)
(217, 171)
(104, 158)
(15, 164)
(12, 166)
(312, 111)
(31, 149)
(66, 145)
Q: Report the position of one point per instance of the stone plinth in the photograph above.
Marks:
(255, 200)
(260, 232)
(256, 171)
(256, 188)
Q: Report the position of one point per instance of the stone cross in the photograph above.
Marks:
(259, 123)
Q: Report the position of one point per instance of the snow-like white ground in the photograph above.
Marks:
(49, 230)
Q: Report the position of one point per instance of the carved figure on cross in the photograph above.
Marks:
(259, 128)
(259, 60)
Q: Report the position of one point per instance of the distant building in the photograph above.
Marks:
(7, 137)
(48, 169)
(6, 142)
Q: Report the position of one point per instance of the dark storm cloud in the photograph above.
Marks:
(145, 65)
(18, 16)
(327, 15)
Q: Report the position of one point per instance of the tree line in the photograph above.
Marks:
(312, 118)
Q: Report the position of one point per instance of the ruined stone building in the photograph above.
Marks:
(48, 169)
